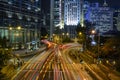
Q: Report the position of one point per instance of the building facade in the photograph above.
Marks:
(72, 11)
(56, 16)
(20, 21)
(65, 16)
(72, 16)
(101, 16)
(117, 19)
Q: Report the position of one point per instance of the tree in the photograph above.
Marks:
(111, 49)
(3, 42)
(80, 29)
(4, 55)
(89, 26)
(111, 46)
(66, 40)
(81, 35)
(83, 32)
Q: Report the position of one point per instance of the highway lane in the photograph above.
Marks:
(53, 68)
(52, 64)
(56, 64)
(65, 70)
(100, 71)
(87, 64)
(75, 69)
(41, 67)
(33, 66)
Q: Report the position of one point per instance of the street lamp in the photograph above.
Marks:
(67, 34)
(93, 31)
(98, 43)
(80, 33)
(81, 38)
(10, 28)
(19, 27)
(63, 34)
(98, 40)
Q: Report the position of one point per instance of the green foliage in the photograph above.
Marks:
(81, 34)
(84, 30)
(66, 40)
(3, 42)
(9, 71)
(80, 29)
(4, 55)
(4, 51)
(118, 65)
(111, 46)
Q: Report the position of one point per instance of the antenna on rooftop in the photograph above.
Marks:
(105, 3)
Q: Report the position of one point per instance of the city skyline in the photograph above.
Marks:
(59, 40)
(111, 3)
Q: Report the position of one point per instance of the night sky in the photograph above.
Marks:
(111, 3)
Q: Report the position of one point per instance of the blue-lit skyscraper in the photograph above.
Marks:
(117, 19)
(100, 15)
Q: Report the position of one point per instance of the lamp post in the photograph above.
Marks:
(93, 31)
(98, 41)
(80, 37)
(67, 34)
(63, 34)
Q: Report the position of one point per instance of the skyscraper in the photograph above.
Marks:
(73, 15)
(20, 20)
(66, 14)
(56, 16)
(117, 19)
(101, 16)
(72, 11)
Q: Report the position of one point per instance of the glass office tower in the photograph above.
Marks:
(20, 21)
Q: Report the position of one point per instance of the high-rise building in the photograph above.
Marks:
(72, 16)
(20, 21)
(117, 19)
(66, 15)
(56, 16)
(101, 16)
(72, 11)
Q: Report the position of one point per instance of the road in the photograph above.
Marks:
(55, 63)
